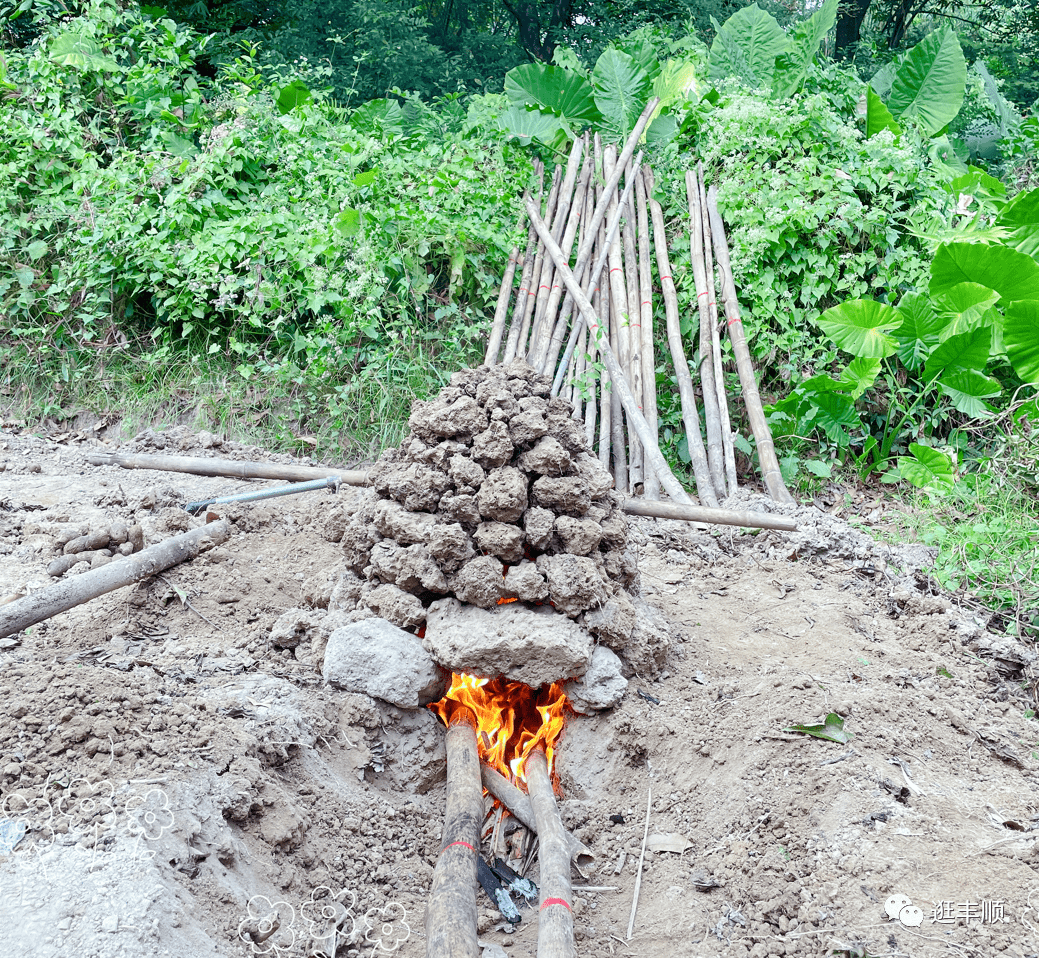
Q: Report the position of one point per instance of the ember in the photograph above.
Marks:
(512, 719)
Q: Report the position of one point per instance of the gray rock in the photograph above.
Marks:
(293, 626)
(579, 536)
(547, 458)
(613, 622)
(531, 645)
(407, 528)
(524, 582)
(601, 687)
(574, 583)
(465, 472)
(479, 582)
(462, 417)
(493, 447)
(565, 494)
(538, 524)
(501, 539)
(380, 660)
(450, 545)
(503, 495)
(401, 608)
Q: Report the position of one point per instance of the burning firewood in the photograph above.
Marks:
(451, 916)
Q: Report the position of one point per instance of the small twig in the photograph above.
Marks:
(642, 859)
(184, 598)
(595, 887)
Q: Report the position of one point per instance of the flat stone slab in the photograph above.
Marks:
(601, 687)
(375, 657)
(530, 645)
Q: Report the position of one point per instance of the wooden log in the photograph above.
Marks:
(711, 413)
(629, 249)
(716, 349)
(656, 459)
(724, 517)
(555, 915)
(504, 298)
(651, 485)
(69, 593)
(518, 803)
(451, 916)
(232, 469)
(605, 397)
(770, 471)
(690, 416)
(512, 343)
(539, 268)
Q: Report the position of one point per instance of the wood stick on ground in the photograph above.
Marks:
(512, 343)
(642, 859)
(653, 455)
(716, 348)
(724, 517)
(770, 472)
(560, 223)
(539, 267)
(451, 916)
(504, 298)
(649, 375)
(555, 915)
(517, 802)
(690, 417)
(636, 469)
(711, 413)
(197, 466)
(69, 593)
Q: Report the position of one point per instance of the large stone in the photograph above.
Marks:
(598, 480)
(407, 528)
(293, 626)
(503, 495)
(579, 536)
(613, 622)
(479, 582)
(650, 642)
(450, 545)
(566, 494)
(531, 645)
(416, 486)
(574, 583)
(461, 508)
(444, 420)
(538, 524)
(547, 458)
(379, 659)
(493, 447)
(527, 427)
(465, 472)
(524, 582)
(601, 687)
(412, 569)
(501, 539)
(401, 608)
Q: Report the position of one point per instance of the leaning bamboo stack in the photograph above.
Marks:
(584, 314)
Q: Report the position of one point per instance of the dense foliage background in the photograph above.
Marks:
(292, 217)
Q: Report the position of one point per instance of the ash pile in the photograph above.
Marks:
(494, 534)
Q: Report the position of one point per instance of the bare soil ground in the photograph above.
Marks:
(180, 777)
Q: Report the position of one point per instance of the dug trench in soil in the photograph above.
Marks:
(191, 787)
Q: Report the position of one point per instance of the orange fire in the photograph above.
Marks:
(512, 719)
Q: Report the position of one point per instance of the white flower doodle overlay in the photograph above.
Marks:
(387, 927)
(329, 917)
(269, 927)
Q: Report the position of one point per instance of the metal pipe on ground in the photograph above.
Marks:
(332, 482)
(451, 918)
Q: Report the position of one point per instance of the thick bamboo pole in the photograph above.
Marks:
(197, 466)
(716, 349)
(69, 593)
(555, 916)
(711, 413)
(451, 917)
(636, 469)
(653, 455)
(504, 298)
(540, 265)
(722, 517)
(512, 343)
(690, 417)
(649, 375)
(770, 472)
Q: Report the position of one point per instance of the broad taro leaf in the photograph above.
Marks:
(978, 183)
(884, 77)
(930, 82)
(1012, 274)
(661, 131)
(620, 88)
(964, 307)
(378, 118)
(1021, 338)
(642, 52)
(859, 375)
(291, 96)
(861, 327)
(920, 332)
(1020, 219)
(805, 37)
(1009, 118)
(676, 78)
(968, 389)
(926, 468)
(836, 415)
(82, 52)
(968, 350)
(878, 116)
(553, 90)
(527, 125)
(746, 46)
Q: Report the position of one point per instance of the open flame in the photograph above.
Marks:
(512, 719)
